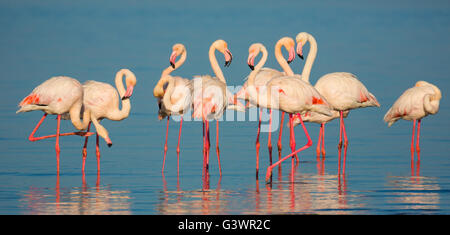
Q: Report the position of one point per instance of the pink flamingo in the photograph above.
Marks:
(286, 93)
(173, 94)
(58, 95)
(414, 104)
(102, 101)
(262, 77)
(342, 90)
(211, 97)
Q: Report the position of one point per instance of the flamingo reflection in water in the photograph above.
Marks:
(203, 201)
(82, 200)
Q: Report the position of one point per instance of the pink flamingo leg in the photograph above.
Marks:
(208, 145)
(165, 144)
(318, 142)
(32, 138)
(85, 149)
(323, 140)
(217, 146)
(179, 135)
(269, 140)
(57, 143)
(340, 144)
(345, 144)
(97, 152)
(257, 143)
(292, 135)
(417, 142)
(204, 144)
(280, 135)
(412, 144)
(178, 146)
(308, 144)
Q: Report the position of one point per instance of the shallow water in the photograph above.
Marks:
(389, 46)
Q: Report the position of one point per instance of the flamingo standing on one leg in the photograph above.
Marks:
(174, 95)
(285, 93)
(414, 104)
(322, 120)
(343, 90)
(261, 79)
(211, 97)
(102, 101)
(58, 95)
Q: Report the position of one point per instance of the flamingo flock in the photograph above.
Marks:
(331, 97)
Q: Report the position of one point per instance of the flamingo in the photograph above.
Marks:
(102, 101)
(173, 94)
(211, 97)
(414, 104)
(261, 79)
(343, 90)
(58, 96)
(286, 93)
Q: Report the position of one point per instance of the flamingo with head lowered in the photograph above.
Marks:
(58, 95)
(173, 94)
(286, 93)
(101, 100)
(413, 105)
(342, 90)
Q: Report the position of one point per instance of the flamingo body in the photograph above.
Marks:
(54, 96)
(344, 91)
(415, 103)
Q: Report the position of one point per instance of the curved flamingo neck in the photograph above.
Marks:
(74, 113)
(251, 79)
(119, 114)
(262, 61)
(214, 64)
(180, 62)
(279, 56)
(310, 59)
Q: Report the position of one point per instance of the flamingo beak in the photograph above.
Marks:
(228, 58)
(291, 55)
(251, 61)
(128, 93)
(300, 50)
(172, 58)
(108, 142)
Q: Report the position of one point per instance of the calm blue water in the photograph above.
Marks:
(388, 45)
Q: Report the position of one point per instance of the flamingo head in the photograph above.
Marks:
(177, 50)
(289, 45)
(253, 51)
(222, 46)
(131, 83)
(301, 39)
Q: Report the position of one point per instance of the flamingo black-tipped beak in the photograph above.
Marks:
(251, 67)
(289, 61)
(128, 93)
(228, 58)
(172, 64)
(109, 145)
(301, 56)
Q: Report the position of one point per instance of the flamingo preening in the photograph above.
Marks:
(286, 93)
(173, 94)
(101, 100)
(58, 95)
(413, 105)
